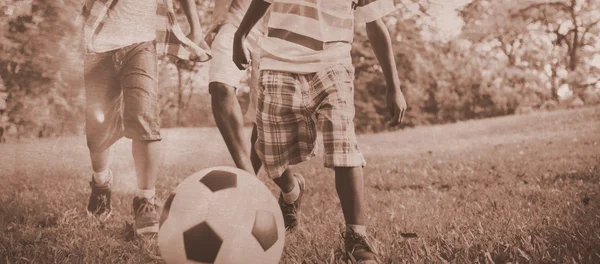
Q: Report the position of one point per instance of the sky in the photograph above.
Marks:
(446, 17)
(596, 60)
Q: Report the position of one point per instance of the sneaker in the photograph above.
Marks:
(146, 214)
(99, 204)
(358, 248)
(290, 211)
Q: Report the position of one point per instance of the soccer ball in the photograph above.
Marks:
(221, 215)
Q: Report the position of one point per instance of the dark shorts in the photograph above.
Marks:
(121, 90)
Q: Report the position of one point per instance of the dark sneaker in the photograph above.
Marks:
(99, 204)
(358, 248)
(146, 214)
(290, 211)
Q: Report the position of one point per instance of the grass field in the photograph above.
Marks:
(519, 189)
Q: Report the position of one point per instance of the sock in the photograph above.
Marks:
(359, 229)
(292, 196)
(103, 178)
(146, 193)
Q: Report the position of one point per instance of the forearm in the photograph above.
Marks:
(381, 43)
(189, 8)
(255, 12)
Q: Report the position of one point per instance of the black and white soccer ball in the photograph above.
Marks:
(221, 215)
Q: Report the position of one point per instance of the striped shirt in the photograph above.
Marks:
(232, 12)
(170, 38)
(306, 36)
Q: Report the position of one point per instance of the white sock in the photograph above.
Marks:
(359, 229)
(292, 196)
(146, 193)
(103, 178)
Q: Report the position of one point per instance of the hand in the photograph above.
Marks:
(197, 38)
(396, 105)
(240, 53)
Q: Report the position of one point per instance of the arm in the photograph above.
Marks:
(381, 43)
(191, 12)
(255, 12)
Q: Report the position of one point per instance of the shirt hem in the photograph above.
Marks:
(299, 68)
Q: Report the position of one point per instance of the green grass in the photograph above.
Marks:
(514, 189)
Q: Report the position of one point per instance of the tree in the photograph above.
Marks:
(39, 66)
(538, 35)
(573, 26)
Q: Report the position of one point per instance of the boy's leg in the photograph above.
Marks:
(256, 162)
(336, 114)
(286, 136)
(253, 83)
(230, 121)
(139, 77)
(349, 184)
(146, 156)
(224, 76)
(102, 125)
(290, 189)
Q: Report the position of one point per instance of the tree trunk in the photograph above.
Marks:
(573, 54)
(554, 84)
(179, 96)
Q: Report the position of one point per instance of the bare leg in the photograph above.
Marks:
(256, 162)
(349, 183)
(146, 156)
(286, 182)
(229, 118)
(100, 160)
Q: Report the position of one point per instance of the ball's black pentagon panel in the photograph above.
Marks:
(219, 180)
(166, 208)
(201, 243)
(265, 229)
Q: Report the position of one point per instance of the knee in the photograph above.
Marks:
(221, 92)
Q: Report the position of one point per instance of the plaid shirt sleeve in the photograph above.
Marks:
(170, 38)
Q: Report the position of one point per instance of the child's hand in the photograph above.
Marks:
(396, 105)
(196, 37)
(240, 58)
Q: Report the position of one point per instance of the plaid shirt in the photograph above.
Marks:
(170, 38)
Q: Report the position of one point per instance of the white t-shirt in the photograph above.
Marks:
(306, 36)
(129, 22)
(233, 11)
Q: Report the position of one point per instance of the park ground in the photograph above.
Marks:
(516, 189)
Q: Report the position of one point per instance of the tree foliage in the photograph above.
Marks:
(510, 56)
(38, 66)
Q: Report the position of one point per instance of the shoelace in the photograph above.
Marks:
(102, 200)
(146, 207)
(289, 209)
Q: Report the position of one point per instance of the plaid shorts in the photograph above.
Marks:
(289, 108)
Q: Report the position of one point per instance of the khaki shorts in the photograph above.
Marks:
(121, 89)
